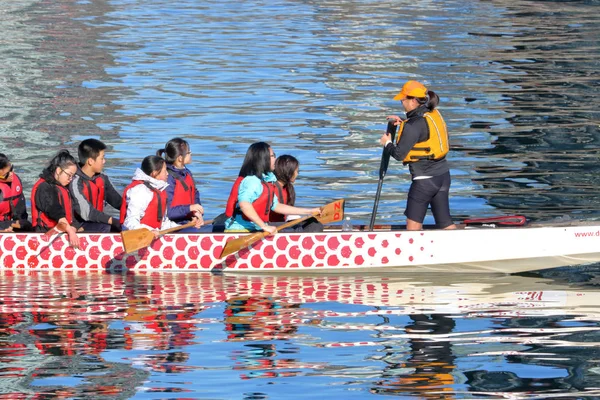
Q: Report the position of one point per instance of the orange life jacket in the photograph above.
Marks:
(40, 218)
(262, 205)
(436, 146)
(283, 197)
(155, 212)
(11, 192)
(185, 190)
(94, 192)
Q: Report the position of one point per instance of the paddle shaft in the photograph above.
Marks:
(248, 240)
(180, 227)
(332, 212)
(139, 238)
(383, 166)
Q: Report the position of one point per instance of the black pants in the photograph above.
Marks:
(433, 192)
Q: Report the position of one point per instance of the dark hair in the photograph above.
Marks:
(174, 148)
(257, 161)
(285, 167)
(4, 161)
(431, 101)
(89, 148)
(63, 159)
(152, 164)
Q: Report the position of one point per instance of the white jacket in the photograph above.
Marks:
(138, 199)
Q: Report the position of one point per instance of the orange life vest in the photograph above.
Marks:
(155, 212)
(94, 192)
(11, 192)
(262, 205)
(283, 197)
(40, 218)
(185, 190)
(436, 146)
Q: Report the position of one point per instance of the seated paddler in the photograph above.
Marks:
(51, 201)
(13, 209)
(254, 195)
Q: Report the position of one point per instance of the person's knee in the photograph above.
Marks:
(413, 225)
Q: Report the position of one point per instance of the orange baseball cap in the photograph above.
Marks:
(412, 89)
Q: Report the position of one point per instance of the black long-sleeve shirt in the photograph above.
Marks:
(47, 201)
(415, 131)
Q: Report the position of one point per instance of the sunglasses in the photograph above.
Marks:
(12, 167)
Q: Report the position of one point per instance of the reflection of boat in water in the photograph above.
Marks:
(398, 324)
(506, 250)
(108, 295)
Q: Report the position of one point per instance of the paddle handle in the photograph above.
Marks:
(294, 222)
(383, 166)
(179, 227)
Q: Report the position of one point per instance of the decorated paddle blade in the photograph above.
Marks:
(332, 212)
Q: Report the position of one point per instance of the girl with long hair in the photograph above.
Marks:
(254, 195)
(51, 201)
(183, 199)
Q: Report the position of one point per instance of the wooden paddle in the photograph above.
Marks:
(383, 166)
(332, 212)
(136, 239)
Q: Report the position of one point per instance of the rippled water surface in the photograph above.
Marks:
(518, 82)
(208, 336)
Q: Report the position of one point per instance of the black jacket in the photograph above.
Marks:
(416, 130)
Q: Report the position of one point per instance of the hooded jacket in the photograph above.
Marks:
(138, 198)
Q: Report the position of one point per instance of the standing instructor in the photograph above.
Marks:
(422, 143)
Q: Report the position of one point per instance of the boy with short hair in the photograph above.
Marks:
(91, 188)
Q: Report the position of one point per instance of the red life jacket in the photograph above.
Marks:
(94, 192)
(155, 212)
(185, 190)
(11, 192)
(64, 198)
(283, 197)
(262, 205)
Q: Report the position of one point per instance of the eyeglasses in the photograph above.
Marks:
(273, 155)
(69, 176)
(8, 173)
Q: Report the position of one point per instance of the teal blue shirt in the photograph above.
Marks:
(249, 190)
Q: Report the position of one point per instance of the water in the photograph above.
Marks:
(518, 82)
(210, 336)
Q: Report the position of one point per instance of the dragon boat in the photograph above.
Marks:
(483, 248)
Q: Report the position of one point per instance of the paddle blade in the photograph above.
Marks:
(136, 239)
(235, 245)
(332, 212)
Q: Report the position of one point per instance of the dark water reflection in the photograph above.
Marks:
(517, 80)
(70, 335)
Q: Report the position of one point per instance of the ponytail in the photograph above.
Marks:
(174, 148)
(63, 159)
(432, 100)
